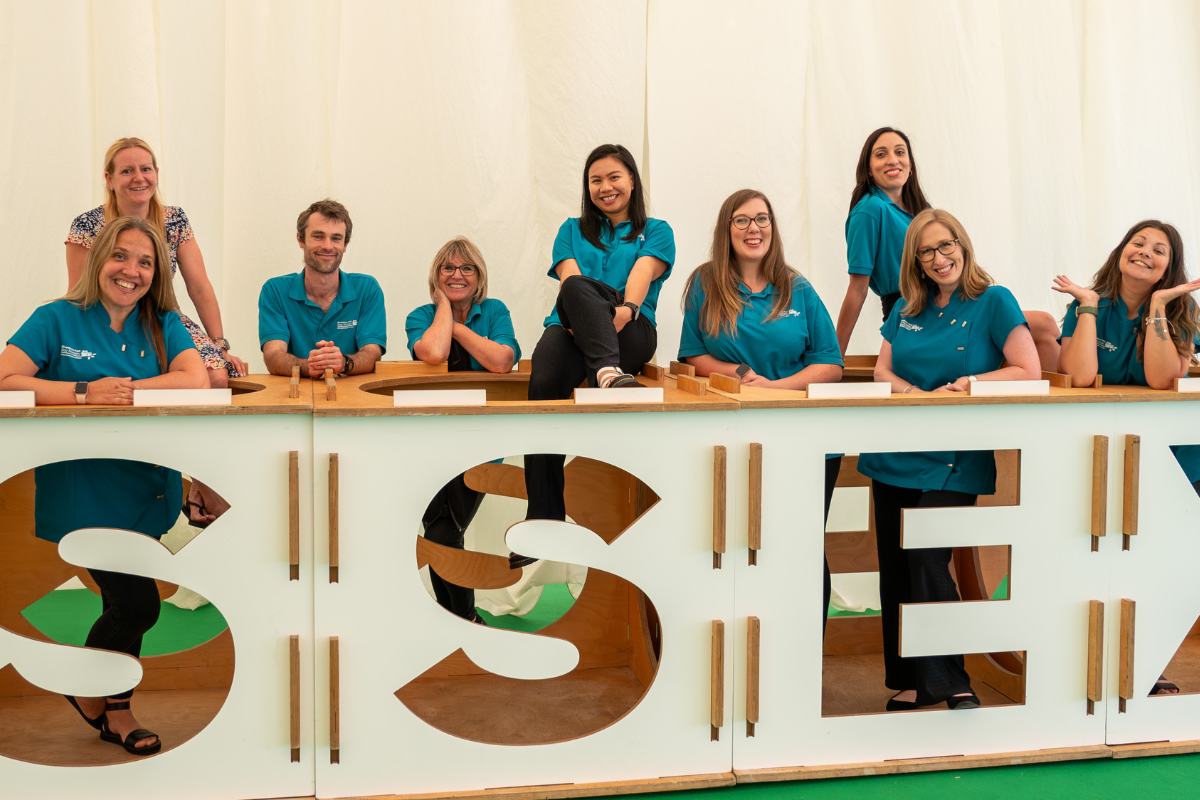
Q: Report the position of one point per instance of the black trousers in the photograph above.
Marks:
(446, 521)
(832, 467)
(888, 301)
(130, 608)
(915, 576)
(564, 358)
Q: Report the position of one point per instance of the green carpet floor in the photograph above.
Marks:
(554, 602)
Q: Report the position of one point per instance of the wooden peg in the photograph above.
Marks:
(1095, 665)
(1125, 659)
(330, 385)
(691, 385)
(679, 368)
(294, 387)
(719, 477)
(653, 371)
(755, 524)
(525, 365)
(1057, 379)
(294, 515)
(335, 716)
(1098, 382)
(1099, 490)
(752, 639)
(294, 694)
(1129, 509)
(333, 517)
(724, 383)
(717, 680)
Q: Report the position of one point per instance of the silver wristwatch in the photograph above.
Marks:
(81, 392)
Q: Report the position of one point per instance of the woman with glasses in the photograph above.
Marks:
(1136, 324)
(466, 330)
(953, 327)
(747, 313)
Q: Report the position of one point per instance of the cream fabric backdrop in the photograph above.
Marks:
(1047, 126)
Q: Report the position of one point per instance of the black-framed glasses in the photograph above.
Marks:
(925, 254)
(741, 221)
(467, 270)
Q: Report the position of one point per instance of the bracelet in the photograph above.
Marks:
(909, 389)
(1093, 310)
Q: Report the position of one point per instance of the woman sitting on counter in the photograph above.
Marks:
(469, 331)
(1135, 324)
(747, 313)
(115, 331)
(953, 327)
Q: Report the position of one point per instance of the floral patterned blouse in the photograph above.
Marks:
(86, 228)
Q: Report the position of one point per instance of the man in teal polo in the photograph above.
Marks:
(322, 318)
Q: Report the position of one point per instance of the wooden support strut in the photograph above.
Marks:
(333, 517)
(1125, 659)
(330, 385)
(724, 383)
(752, 642)
(754, 533)
(691, 385)
(335, 714)
(717, 681)
(1095, 662)
(1099, 490)
(1129, 508)
(679, 368)
(294, 694)
(653, 371)
(294, 386)
(719, 494)
(294, 515)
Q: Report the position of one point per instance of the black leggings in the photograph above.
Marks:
(446, 521)
(832, 467)
(564, 358)
(130, 608)
(915, 576)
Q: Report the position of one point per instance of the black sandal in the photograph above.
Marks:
(188, 505)
(970, 700)
(135, 736)
(1161, 686)
(97, 722)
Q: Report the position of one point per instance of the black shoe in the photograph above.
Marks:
(625, 381)
(1161, 686)
(964, 701)
(479, 620)
(901, 705)
(516, 561)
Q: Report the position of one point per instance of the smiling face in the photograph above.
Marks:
(890, 165)
(324, 243)
(1146, 257)
(133, 179)
(126, 275)
(752, 243)
(944, 270)
(611, 188)
(457, 287)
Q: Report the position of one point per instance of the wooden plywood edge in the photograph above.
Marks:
(1143, 749)
(922, 764)
(567, 790)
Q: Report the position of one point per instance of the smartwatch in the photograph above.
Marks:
(222, 343)
(81, 392)
(635, 308)
(348, 366)
(742, 370)
(1086, 310)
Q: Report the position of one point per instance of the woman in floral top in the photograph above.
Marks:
(131, 180)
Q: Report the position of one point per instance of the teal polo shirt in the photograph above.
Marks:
(613, 263)
(875, 233)
(936, 347)
(1117, 362)
(69, 343)
(489, 319)
(355, 318)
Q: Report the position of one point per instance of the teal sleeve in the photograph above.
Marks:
(176, 338)
(892, 325)
(1070, 321)
(862, 242)
(500, 327)
(38, 337)
(822, 336)
(562, 247)
(372, 316)
(691, 339)
(272, 324)
(415, 325)
(658, 240)
(1005, 315)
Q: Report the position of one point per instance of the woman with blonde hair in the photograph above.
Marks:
(115, 331)
(131, 186)
(954, 326)
(466, 330)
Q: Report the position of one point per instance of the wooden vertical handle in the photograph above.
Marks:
(330, 384)
(755, 525)
(333, 517)
(719, 478)
(1099, 488)
(752, 641)
(1095, 663)
(294, 697)
(1129, 513)
(294, 515)
(335, 715)
(717, 680)
(294, 386)
(1125, 675)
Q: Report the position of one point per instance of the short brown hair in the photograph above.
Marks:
(330, 209)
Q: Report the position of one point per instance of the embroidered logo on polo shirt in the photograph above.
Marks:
(642, 238)
(71, 352)
(793, 313)
(1103, 345)
(909, 326)
(352, 323)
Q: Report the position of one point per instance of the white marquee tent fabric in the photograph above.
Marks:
(1048, 127)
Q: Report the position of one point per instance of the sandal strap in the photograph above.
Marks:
(120, 705)
(138, 735)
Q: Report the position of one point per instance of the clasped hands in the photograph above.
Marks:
(327, 356)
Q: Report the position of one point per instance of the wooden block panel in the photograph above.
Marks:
(294, 515)
(719, 495)
(1100, 486)
(330, 385)
(335, 714)
(1129, 509)
(466, 568)
(846, 636)
(753, 634)
(1125, 658)
(294, 695)
(653, 371)
(333, 517)
(1095, 673)
(679, 368)
(725, 383)
(717, 679)
(691, 385)
(755, 521)
(294, 386)
(851, 551)
(1057, 379)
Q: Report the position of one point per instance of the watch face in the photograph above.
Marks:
(81, 387)
(742, 370)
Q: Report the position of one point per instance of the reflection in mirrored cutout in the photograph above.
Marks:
(611, 622)
(185, 646)
(853, 678)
